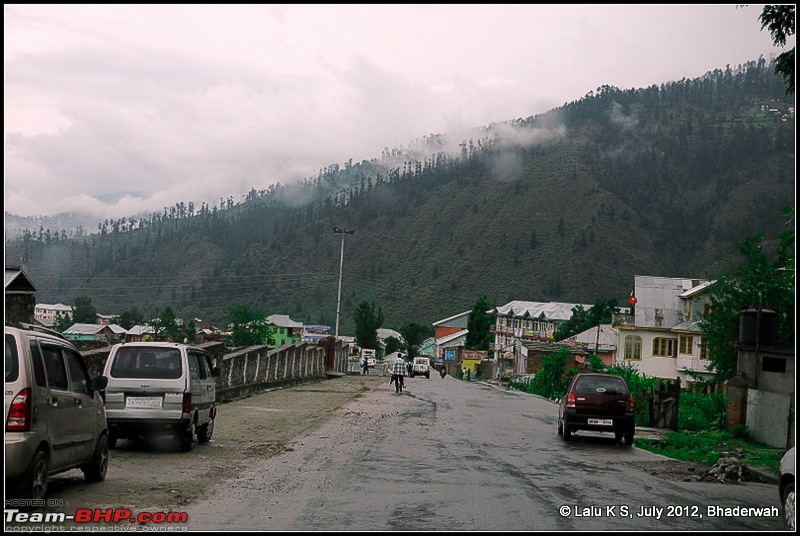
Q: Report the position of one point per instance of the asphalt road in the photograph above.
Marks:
(448, 455)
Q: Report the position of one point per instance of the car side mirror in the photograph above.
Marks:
(215, 372)
(98, 384)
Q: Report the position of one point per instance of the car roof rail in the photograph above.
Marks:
(40, 329)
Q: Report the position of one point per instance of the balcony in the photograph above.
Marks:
(619, 319)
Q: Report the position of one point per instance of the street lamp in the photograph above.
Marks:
(341, 232)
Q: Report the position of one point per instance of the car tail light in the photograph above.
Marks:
(629, 405)
(187, 402)
(571, 400)
(19, 413)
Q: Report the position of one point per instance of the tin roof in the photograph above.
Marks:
(455, 321)
(453, 338)
(17, 280)
(540, 310)
(283, 321)
(85, 329)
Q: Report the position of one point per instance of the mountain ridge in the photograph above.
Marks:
(661, 180)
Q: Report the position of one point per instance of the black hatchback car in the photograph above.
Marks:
(597, 402)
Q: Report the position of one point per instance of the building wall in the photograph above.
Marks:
(19, 308)
(658, 366)
(768, 417)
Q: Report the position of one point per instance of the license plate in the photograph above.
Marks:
(146, 402)
(601, 422)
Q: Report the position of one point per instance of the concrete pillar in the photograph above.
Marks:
(737, 402)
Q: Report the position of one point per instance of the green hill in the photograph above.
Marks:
(564, 206)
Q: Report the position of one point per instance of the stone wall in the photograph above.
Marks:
(19, 308)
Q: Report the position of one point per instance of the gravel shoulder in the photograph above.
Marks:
(156, 475)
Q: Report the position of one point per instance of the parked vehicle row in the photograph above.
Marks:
(58, 418)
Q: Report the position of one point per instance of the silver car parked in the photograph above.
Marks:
(54, 413)
(157, 388)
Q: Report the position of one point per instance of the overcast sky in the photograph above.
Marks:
(119, 109)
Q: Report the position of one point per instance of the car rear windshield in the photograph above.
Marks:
(12, 359)
(157, 363)
(592, 385)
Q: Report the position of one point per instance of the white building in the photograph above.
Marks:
(519, 321)
(663, 338)
(46, 314)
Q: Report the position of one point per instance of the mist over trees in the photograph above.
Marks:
(553, 207)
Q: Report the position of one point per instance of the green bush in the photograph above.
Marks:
(698, 411)
(641, 388)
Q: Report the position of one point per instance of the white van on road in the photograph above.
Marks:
(160, 387)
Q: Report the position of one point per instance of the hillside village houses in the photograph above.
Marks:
(660, 335)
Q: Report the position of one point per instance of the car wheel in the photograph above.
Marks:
(788, 503)
(567, 434)
(33, 484)
(187, 439)
(629, 439)
(560, 429)
(428, 375)
(205, 432)
(96, 468)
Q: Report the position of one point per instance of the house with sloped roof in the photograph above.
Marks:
(93, 332)
(601, 340)
(140, 333)
(662, 336)
(285, 330)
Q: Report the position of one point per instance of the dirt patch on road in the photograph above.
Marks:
(155, 475)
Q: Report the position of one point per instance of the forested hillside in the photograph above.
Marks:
(565, 206)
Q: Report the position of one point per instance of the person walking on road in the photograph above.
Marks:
(365, 370)
(399, 373)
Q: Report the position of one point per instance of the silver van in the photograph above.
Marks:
(54, 415)
(157, 388)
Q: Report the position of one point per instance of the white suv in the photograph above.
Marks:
(421, 367)
(54, 413)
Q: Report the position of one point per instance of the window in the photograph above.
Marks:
(773, 364)
(633, 347)
(194, 367)
(38, 367)
(704, 350)
(202, 365)
(686, 344)
(54, 365)
(79, 379)
(12, 359)
(663, 347)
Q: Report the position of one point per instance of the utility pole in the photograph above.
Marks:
(341, 232)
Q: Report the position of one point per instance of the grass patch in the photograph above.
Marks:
(708, 446)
